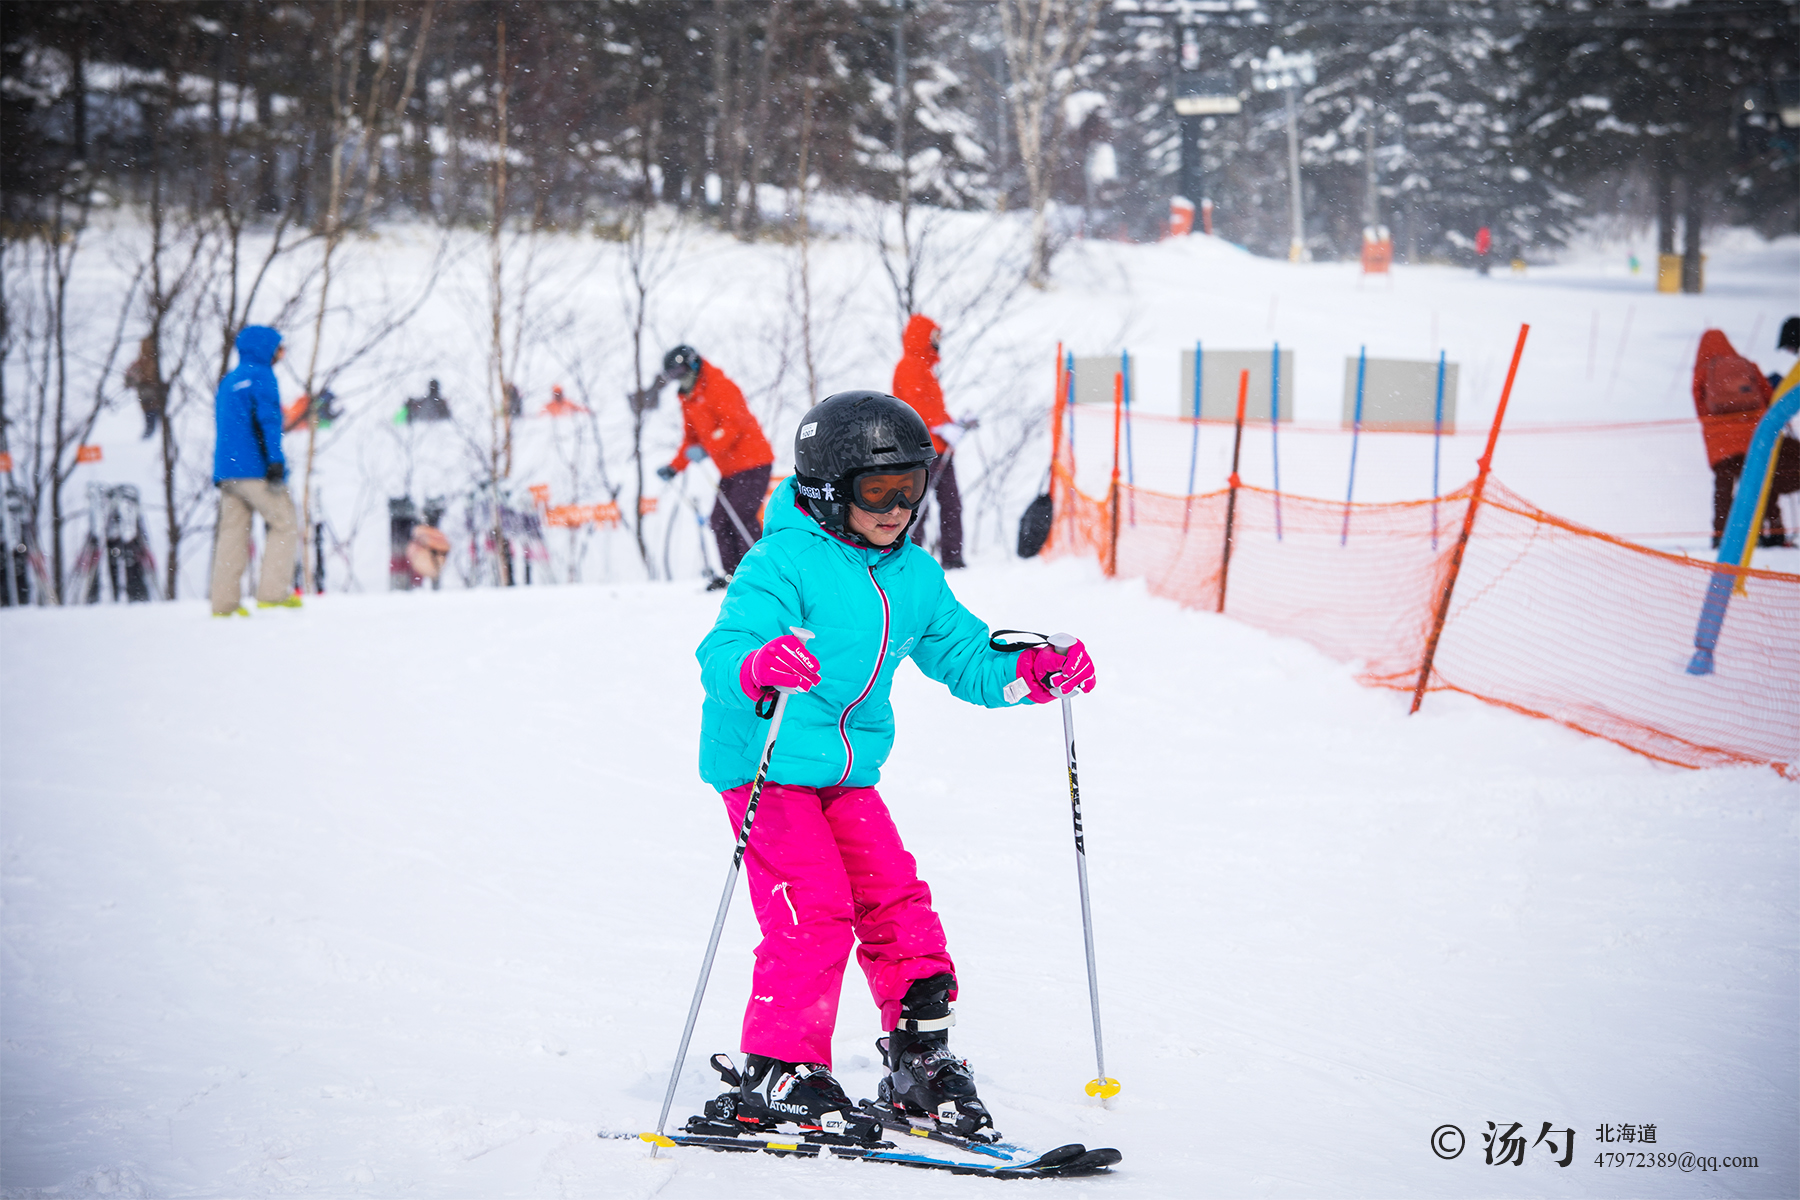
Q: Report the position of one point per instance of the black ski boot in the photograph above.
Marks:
(924, 1078)
(771, 1092)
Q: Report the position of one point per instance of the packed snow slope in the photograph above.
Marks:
(405, 895)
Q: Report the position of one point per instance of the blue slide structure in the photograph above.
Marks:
(1746, 515)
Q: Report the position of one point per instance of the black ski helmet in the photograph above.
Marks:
(851, 432)
(681, 360)
(1789, 338)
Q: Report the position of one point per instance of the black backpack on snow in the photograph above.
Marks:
(1034, 526)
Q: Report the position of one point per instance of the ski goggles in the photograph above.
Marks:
(880, 490)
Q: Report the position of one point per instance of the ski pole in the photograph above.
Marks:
(732, 512)
(931, 482)
(669, 528)
(712, 944)
(1102, 1087)
(700, 537)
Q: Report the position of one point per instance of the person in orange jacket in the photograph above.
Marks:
(1730, 395)
(716, 424)
(916, 382)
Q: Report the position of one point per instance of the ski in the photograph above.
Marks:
(723, 1125)
(928, 1127)
(1063, 1162)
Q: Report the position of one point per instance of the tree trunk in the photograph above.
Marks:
(805, 232)
(674, 161)
(757, 151)
(500, 453)
(59, 315)
(1044, 40)
(902, 176)
(159, 307)
(1665, 209)
(267, 153)
(725, 126)
(172, 567)
(1691, 278)
(78, 88)
(215, 141)
(1371, 183)
(420, 161)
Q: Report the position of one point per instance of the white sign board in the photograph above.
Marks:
(1280, 70)
(1094, 380)
(1400, 395)
(1219, 384)
(1207, 106)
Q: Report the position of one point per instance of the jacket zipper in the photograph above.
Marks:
(880, 657)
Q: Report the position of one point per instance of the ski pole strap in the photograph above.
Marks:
(765, 703)
(929, 1025)
(998, 640)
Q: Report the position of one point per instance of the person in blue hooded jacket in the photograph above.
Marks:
(825, 863)
(251, 475)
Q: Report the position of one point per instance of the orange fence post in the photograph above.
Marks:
(1056, 424)
(1485, 463)
(1237, 442)
(1112, 549)
(1069, 413)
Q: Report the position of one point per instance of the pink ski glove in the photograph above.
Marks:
(782, 663)
(1073, 671)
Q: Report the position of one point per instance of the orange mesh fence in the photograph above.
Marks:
(1547, 617)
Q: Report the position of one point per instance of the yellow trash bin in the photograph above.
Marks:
(1668, 272)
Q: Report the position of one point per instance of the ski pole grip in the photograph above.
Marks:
(1059, 642)
(805, 635)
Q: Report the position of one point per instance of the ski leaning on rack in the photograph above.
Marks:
(1062, 1162)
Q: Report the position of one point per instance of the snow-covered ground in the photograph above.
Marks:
(405, 896)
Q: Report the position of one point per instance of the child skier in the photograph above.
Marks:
(825, 862)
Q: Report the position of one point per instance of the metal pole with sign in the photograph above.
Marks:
(1285, 72)
(1210, 95)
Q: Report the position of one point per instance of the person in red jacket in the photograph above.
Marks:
(1730, 395)
(716, 424)
(916, 382)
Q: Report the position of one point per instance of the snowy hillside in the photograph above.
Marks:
(405, 896)
(1600, 429)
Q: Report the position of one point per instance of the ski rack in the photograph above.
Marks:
(116, 548)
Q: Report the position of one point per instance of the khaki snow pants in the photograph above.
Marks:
(238, 498)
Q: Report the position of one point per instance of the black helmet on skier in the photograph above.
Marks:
(680, 361)
(862, 448)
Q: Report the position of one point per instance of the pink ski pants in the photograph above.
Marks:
(826, 868)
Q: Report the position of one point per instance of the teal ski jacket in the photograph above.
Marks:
(869, 609)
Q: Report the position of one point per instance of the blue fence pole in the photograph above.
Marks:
(1187, 507)
(1275, 428)
(1130, 470)
(1740, 528)
(1194, 450)
(1437, 441)
(1362, 365)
